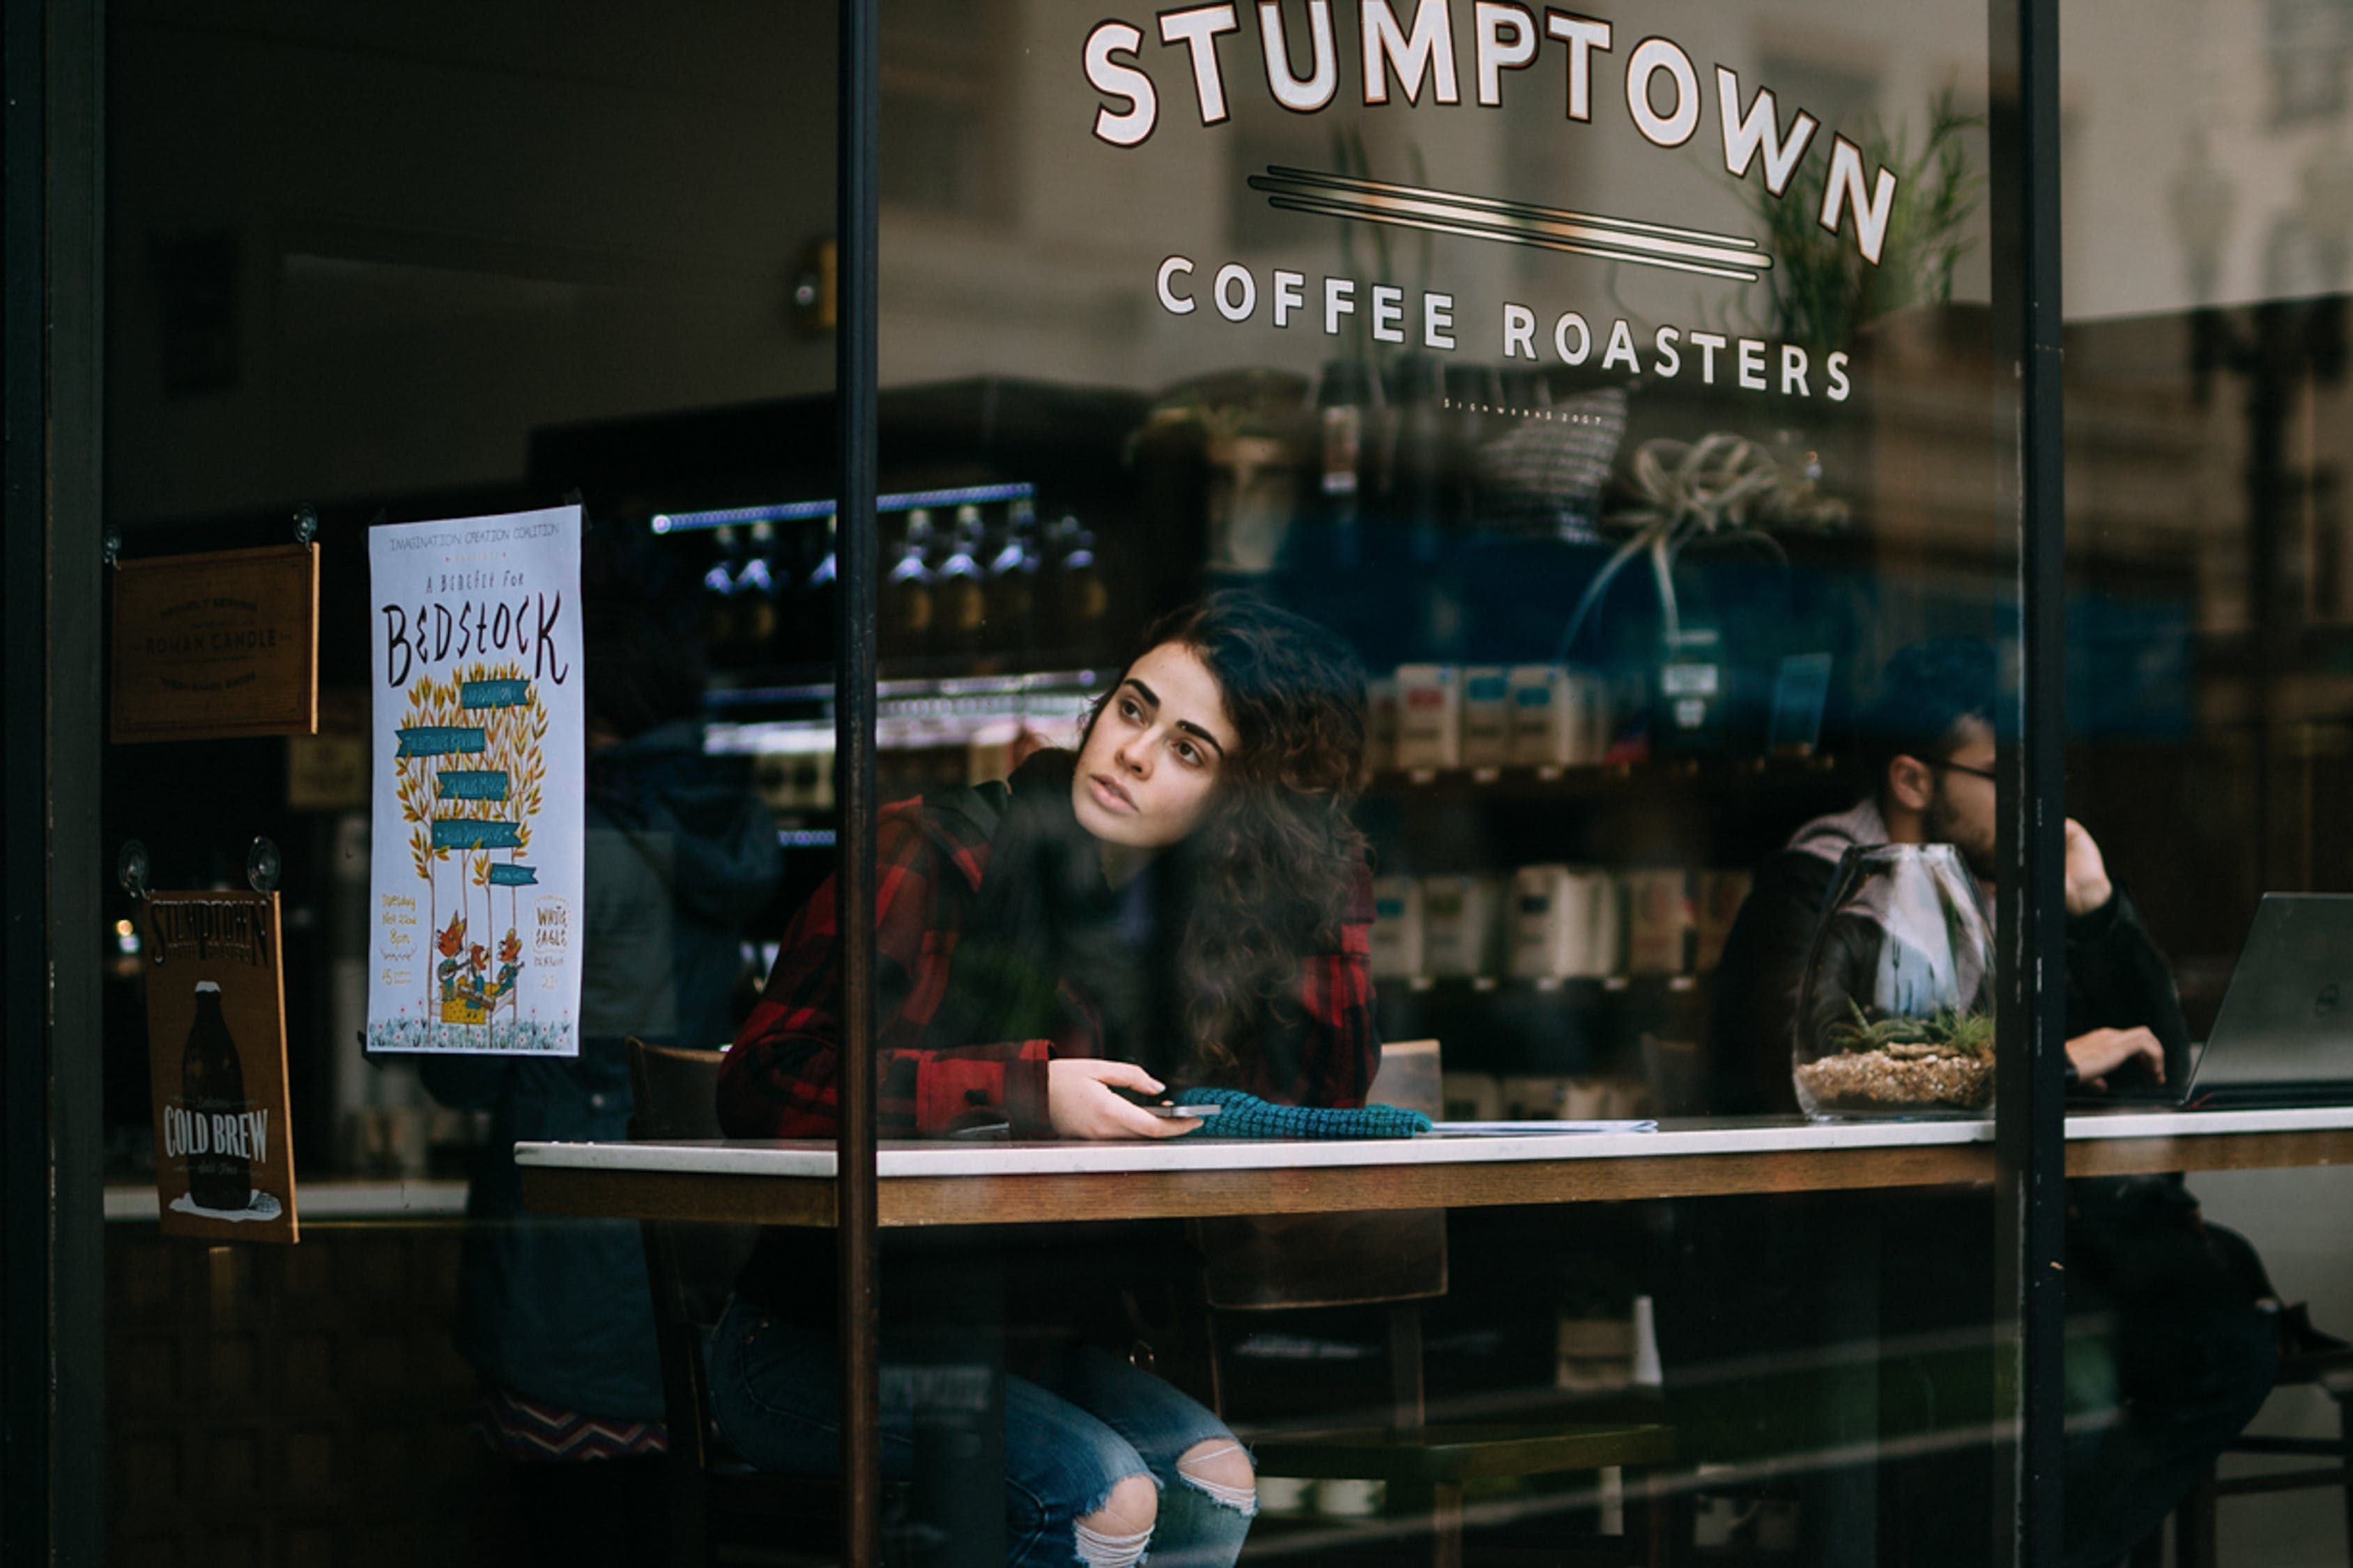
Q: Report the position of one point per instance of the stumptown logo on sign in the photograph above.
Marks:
(1184, 72)
(216, 1053)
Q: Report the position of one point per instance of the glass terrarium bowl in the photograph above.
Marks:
(1895, 1012)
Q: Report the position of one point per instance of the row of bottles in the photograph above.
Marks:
(975, 593)
(972, 592)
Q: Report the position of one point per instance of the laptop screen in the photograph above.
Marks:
(2286, 1021)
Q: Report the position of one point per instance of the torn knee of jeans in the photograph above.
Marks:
(1221, 1471)
(1114, 1532)
(1098, 1549)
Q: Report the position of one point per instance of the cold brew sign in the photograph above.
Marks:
(216, 1059)
(475, 891)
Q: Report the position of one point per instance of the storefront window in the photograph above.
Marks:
(1451, 594)
(2205, 251)
(384, 269)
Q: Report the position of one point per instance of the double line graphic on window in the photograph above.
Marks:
(1513, 222)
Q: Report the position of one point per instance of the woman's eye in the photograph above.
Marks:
(1189, 752)
(1128, 709)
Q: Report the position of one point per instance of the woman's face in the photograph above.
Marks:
(1147, 770)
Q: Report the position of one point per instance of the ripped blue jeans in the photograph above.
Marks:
(1088, 1422)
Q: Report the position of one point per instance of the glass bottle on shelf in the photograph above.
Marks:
(1895, 1010)
(1081, 600)
(212, 1090)
(907, 608)
(818, 602)
(959, 589)
(719, 593)
(1013, 581)
(758, 589)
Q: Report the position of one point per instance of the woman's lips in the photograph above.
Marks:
(1109, 795)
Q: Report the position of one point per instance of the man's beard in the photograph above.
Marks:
(1939, 824)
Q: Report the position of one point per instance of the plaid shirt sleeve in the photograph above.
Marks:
(1339, 1043)
(780, 1079)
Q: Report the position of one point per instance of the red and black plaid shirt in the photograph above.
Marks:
(779, 1080)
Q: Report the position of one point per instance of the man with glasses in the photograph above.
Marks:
(2176, 1340)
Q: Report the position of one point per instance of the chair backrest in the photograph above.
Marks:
(1273, 1262)
(689, 1266)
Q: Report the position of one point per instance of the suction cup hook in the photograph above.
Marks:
(131, 869)
(306, 524)
(261, 866)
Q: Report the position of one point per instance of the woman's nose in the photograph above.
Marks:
(1130, 754)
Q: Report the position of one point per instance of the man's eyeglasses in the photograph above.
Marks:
(1947, 764)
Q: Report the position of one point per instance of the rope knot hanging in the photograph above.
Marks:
(1722, 486)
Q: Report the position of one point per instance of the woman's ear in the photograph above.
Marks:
(1910, 783)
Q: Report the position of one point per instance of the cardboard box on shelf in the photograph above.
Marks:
(1560, 717)
(1564, 923)
(1430, 717)
(1460, 925)
(1486, 716)
(1397, 928)
(1659, 922)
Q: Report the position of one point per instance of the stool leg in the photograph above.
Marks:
(2345, 1457)
(2194, 1545)
(1445, 1525)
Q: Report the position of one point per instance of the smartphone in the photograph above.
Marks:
(1187, 1112)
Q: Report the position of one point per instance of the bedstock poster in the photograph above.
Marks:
(478, 756)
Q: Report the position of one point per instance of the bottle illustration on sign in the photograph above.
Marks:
(212, 1091)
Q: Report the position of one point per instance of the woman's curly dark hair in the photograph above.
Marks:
(1277, 852)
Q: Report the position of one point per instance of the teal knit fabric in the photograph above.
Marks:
(1248, 1116)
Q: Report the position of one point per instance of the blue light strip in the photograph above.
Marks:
(802, 511)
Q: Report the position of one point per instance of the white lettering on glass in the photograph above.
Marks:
(1106, 75)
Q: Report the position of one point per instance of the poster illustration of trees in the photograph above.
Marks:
(475, 884)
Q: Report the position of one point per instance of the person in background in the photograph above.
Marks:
(2195, 1339)
(555, 1313)
(1183, 901)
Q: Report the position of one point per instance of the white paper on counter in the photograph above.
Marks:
(1532, 1129)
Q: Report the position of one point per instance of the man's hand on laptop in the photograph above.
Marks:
(2102, 1051)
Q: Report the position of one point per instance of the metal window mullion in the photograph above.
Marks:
(2030, 1131)
(856, 168)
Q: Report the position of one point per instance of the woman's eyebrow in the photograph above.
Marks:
(1185, 724)
(1192, 729)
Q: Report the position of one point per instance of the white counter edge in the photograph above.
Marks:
(815, 1159)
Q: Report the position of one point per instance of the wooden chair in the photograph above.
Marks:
(2194, 1523)
(716, 1502)
(1397, 1260)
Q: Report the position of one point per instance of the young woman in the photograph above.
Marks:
(1184, 900)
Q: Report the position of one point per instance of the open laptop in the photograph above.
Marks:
(2284, 1036)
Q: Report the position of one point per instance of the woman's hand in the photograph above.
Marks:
(2102, 1051)
(1081, 1104)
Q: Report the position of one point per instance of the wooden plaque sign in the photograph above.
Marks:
(217, 645)
(216, 1061)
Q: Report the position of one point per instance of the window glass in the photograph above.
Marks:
(2206, 223)
(410, 263)
(1451, 542)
